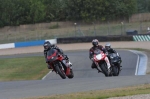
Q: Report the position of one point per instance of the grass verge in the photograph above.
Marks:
(102, 94)
(29, 68)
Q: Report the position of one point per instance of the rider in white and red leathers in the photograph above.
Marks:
(91, 53)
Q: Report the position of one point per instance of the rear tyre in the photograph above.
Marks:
(60, 72)
(71, 74)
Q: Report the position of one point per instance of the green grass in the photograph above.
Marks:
(102, 94)
(30, 68)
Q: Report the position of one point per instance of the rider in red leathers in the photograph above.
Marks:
(47, 46)
(91, 53)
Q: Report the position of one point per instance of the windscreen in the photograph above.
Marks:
(113, 55)
(51, 52)
(97, 51)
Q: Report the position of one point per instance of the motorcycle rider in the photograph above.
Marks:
(47, 46)
(91, 53)
(111, 50)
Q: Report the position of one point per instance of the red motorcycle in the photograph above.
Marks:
(99, 60)
(56, 62)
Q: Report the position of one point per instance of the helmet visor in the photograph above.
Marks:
(46, 47)
(95, 43)
(107, 47)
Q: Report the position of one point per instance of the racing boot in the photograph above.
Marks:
(93, 66)
(49, 67)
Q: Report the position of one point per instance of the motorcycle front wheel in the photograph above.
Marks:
(71, 74)
(103, 67)
(115, 70)
(60, 72)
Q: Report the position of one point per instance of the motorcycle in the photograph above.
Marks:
(115, 61)
(99, 60)
(59, 65)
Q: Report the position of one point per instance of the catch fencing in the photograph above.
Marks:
(55, 30)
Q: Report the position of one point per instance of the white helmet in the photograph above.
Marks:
(107, 46)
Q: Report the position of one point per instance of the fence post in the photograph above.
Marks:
(140, 27)
(94, 29)
(108, 31)
(75, 24)
(121, 27)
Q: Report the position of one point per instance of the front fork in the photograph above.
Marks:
(107, 62)
(98, 67)
(66, 68)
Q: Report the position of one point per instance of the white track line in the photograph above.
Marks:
(46, 75)
(141, 65)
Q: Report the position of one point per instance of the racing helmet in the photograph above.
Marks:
(107, 46)
(47, 45)
(95, 42)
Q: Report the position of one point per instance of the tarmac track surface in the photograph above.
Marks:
(85, 78)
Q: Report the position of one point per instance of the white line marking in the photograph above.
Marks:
(46, 75)
(141, 62)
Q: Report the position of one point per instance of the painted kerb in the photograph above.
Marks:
(141, 37)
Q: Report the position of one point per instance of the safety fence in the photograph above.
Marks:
(44, 31)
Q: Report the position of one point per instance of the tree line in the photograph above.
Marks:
(16, 12)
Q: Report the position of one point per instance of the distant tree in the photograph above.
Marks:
(54, 9)
(36, 13)
(143, 6)
(99, 9)
(16, 12)
(148, 5)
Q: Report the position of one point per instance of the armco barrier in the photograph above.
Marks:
(68, 40)
(89, 39)
(29, 43)
(9, 45)
(26, 44)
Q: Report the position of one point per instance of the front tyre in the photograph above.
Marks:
(71, 74)
(60, 72)
(103, 66)
(115, 70)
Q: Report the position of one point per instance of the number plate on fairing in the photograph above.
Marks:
(99, 56)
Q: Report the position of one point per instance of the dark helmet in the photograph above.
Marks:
(107, 46)
(47, 45)
(95, 42)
